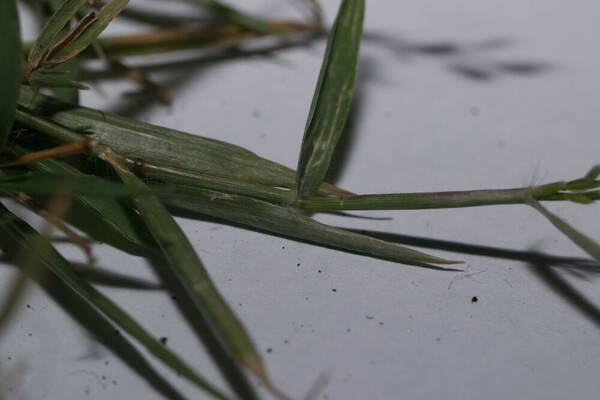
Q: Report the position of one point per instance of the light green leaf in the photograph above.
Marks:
(10, 66)
(331, 101)
(585, 243)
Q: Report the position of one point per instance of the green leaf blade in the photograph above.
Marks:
(585, 243)
(289, 222)
(49, 183)
(233, 15)
(91, 32)
(23, 234)
(51, 30)
(331, 101)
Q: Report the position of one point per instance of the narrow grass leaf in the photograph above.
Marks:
(229, 13)
(157, 145)
(51, 31)
(47, 183)
(23, 234)
(89, 33)
(286, 221)
(63, 80)
(105, 219)
(10, 66)
(585, 243)
(191, 272)
(331, 101)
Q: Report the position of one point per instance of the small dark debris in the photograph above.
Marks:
(306, 298)
(106, 362)
(285, 341)
(334, 290)
(30, 334)
(163, 340)
(297, 265)
(319, 271)
(28, 306)
(370, 317)
(283, 247)
(380, 322)
(474, 299)
(437, 339)
(9, 357)
(269, 350)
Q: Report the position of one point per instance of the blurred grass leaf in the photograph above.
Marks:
(49, 183)
(105, 219)
(62, 79)
(10, 66)
(331, 101)
(24, 235)
(233, 15)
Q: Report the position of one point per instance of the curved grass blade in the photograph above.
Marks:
(47, 183)
(231, 14)
(51, 31)
(10, 66)
(331, 101)
(289, 222)
(88, 32)
(191, 272)
(585, 243)
(23, 234)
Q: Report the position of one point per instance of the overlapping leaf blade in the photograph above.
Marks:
(23, 234)
(51, 31)
(289, 222)
(110, 10)
(331, 101)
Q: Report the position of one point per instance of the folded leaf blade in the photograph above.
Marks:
(331, 101)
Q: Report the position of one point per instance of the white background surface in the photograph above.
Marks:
(388, 331)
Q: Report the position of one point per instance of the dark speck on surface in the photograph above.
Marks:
(474, 299)
(163, 340)
(319, 271)
(370, 317)
(269, 350)
(334, 290)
